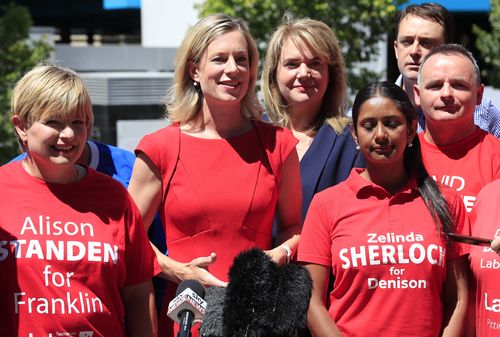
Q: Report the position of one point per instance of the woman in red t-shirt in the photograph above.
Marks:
(381, 233)
(74, 256)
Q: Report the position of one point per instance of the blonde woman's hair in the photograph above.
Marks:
(184, 99)
(322, 42)
(51, 91)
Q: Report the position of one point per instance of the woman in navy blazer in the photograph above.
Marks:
(304, 89)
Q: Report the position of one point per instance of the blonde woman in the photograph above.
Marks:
(74, 255)
(304, 86)
(217, 175)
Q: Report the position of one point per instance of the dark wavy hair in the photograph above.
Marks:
(432, 12)
(413, 163)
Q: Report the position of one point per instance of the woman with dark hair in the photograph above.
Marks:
(383, 234)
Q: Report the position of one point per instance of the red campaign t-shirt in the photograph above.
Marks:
(467, 166)
(485, 263)
(66, 253)
(386, 255)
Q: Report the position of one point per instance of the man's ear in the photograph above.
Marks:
(395, 45)
(416, 94)
(21, 126)
(193, 71)
(479, 94)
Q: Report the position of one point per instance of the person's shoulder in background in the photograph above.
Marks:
(112, 161)
(487, 117)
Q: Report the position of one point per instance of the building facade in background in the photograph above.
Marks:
(125, 51)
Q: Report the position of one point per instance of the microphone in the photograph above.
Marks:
(212, 324)
(187, 306)
(261, 299)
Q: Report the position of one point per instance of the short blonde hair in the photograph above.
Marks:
(183, 101)
(322, 42)
(51, 90)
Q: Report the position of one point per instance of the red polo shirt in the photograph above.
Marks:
(387, 257)
(467, 165)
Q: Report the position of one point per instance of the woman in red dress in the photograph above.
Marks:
(217, 175)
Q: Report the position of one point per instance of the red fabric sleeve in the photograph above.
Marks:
(288, 142)
(278, 143)
(139, 254)
(151, 145)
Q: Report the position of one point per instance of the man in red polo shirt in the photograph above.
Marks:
(456, 152)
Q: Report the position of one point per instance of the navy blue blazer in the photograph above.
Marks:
(327, 162)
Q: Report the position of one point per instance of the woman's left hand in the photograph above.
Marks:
(278, 255)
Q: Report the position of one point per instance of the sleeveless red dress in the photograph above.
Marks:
(222, 195)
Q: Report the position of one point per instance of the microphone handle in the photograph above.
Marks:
(186, 322)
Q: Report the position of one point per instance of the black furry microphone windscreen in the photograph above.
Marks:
(261, 300)
(212, 326)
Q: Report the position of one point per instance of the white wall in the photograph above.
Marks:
(494, 95)
(165, 22)
(130, 132)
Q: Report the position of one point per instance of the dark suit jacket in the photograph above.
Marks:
(327, 162)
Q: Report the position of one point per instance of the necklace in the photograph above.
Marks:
(303, 145)
(28, 170)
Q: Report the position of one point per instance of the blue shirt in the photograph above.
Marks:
(110, 160)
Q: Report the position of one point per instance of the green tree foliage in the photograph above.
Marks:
(358, 24)
(17, 55)
(488, 44)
